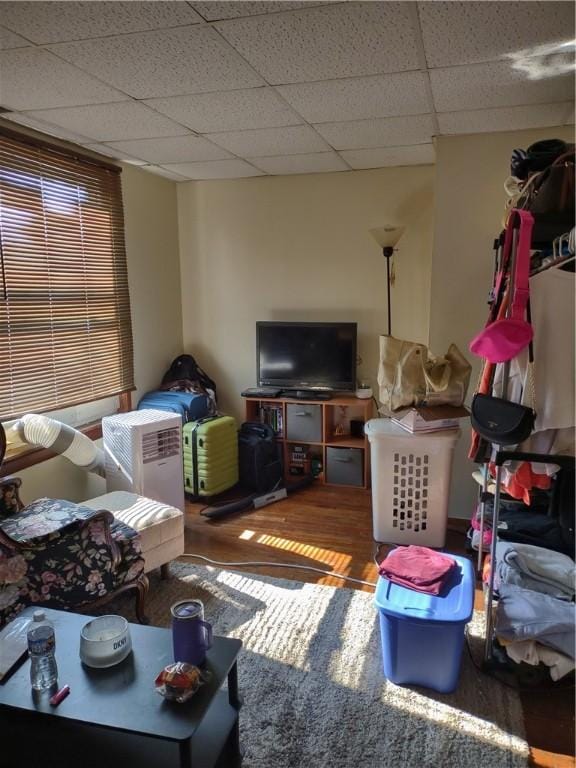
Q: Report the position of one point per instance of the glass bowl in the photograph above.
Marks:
(105, 641)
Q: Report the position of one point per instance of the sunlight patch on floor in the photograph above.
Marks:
(282, 638)
(370, 572)
(446, 715)
(247, 535)
(336, 560)
(354, 643)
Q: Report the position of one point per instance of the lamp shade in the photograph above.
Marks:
(388, 236)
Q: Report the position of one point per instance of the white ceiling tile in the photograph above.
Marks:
(502, 119)
(265, 142)
(467, 32)
(10, 40)
(163, 63)
(177, 149)
(317, 162)
(340, 40)
(52, 22)
(220, 9)
(164, 172)
(112, 122)
(228, 110)
(24, 118)
(381, 132)
(217, 169)
(420, 154)
(359, 98)
(124, 157)
(495, 84)
(36, 79)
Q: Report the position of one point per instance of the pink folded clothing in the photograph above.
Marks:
(419, 568)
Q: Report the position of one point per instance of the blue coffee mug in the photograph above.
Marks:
(191, 635)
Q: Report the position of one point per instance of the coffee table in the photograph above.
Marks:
(114, 717)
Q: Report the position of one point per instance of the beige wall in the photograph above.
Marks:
(154, 279)
(298, 248)
(150, 211)
(469, 202)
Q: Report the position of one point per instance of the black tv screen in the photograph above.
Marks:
(306, 355)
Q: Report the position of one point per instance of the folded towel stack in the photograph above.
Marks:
(418, 568)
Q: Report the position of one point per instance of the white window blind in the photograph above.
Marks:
(65, 330)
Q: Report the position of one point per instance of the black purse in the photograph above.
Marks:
(499, 421)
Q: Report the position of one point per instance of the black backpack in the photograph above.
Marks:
(185, 374)
(259, 457)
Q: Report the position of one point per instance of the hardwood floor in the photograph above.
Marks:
(331, 529)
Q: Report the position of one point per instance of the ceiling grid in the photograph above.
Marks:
(201, 90)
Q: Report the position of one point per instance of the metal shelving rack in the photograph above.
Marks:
(500, 455)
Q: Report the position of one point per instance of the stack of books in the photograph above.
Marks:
(272, 415)
(430, 419)
(299, 461)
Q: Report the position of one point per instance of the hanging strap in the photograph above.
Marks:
(522, 263)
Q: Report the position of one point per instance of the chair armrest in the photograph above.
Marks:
(45, 522)
(10, 502)
(107, 519)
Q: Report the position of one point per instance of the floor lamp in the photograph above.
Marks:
(387, 237)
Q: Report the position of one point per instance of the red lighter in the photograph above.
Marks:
(59, 695)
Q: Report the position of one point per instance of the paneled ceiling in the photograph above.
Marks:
(220, 90)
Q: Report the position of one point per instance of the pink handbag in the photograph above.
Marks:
(505, 338)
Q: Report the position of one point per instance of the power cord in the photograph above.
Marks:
(279, 565)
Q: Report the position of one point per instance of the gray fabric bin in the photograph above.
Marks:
(304, 422)
(344, 466)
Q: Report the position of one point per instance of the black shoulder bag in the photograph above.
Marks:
(504, 422)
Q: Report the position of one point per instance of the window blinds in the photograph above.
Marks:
(65, 330)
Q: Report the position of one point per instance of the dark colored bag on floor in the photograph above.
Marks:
(259, 457)
(185, 375)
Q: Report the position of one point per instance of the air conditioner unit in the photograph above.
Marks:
(143, 452)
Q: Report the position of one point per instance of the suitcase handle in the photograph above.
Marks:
(199, 422)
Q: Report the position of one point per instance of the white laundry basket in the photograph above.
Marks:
(410, 483)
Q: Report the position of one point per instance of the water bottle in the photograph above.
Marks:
(41, 647)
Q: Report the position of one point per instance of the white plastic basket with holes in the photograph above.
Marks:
(410, 483)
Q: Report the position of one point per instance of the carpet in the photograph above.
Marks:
(312, 679)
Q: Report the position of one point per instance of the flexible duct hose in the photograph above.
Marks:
(43, 431)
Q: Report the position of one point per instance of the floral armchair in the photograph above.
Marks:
(62, 555)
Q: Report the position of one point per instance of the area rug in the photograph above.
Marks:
(312, 680)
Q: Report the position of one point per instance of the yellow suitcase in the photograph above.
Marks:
(210, 450)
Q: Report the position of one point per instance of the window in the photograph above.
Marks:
(65, 330)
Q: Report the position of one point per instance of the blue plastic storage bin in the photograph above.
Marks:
(423, 635)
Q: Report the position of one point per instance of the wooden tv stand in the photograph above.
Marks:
(321, 429)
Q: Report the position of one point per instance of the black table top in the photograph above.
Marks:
(122, 697)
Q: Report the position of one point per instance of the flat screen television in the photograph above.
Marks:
(306, 355)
